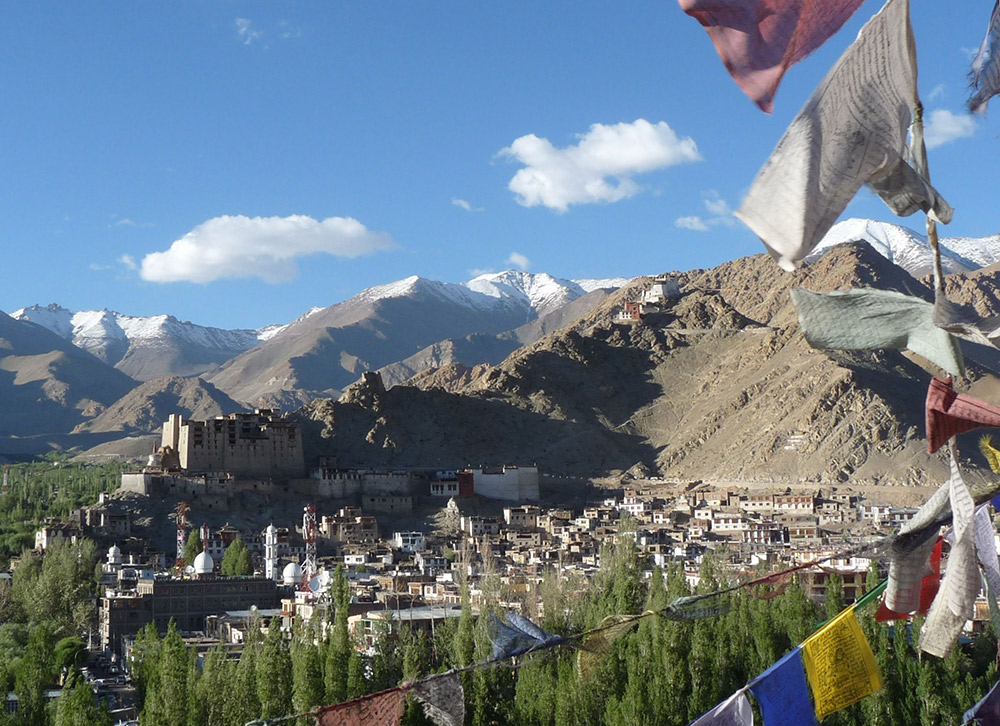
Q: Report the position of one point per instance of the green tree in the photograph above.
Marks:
(33, 675)
(236, 561)
(78, 707)
(167, 702)
(307, 676)
(274, 674)
(833, 603)
(69, 652)
(211, 688)
(242, 702)
(145, 665)
(193, 547)
(58, 586)
(339, 644)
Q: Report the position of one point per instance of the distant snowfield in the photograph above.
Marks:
(910, 250)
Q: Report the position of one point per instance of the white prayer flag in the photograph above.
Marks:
(852, 131)
(955, 601)
(734, 711)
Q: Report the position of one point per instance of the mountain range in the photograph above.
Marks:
(519, 367)
(410, 324)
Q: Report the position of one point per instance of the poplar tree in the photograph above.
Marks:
(274, 674)
(236, 562)
(307, 676)
(242, 702)
(193, 547)
(167, 704)
(216, 680)
(33, 675)
(339, 645)
(77, 706)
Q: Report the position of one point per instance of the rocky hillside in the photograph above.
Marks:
(720, 385)
(326, 350)
(144, 409)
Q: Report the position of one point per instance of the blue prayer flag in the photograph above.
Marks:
(987, 711)
(782, 693)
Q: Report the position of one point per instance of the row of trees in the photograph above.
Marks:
(51, 487)
(236, 561)
(664, 672)
(43, 612)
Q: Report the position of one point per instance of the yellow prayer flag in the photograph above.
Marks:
(991, 453)
(840, 665)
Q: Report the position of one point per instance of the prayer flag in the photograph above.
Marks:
(782, 693)
(992, 455)
(869, 319)
(599, 644)
(734, 711)
(840, 664)
(956, 599)
(688, 608)
(987, 711)
(929, 585)
(378, 709)
(910, 555)
(950, 413)
(985, 74)
(517, 636)
(443, 698)
(986, 547)
(964, 321)
(852, 131)
(758, 40)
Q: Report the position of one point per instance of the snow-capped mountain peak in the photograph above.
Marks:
(910, 250)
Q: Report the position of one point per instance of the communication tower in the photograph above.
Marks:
(182, 523)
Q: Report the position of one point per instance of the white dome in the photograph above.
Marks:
(292, 573)
(114, 555)
(203, 564)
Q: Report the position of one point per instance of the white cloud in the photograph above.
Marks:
(477, 271)
(248, 34)
(937, 92)
(128, 261)
(720, 213)
(465, 205)
(716, 205)
(126, 222)
(287, 31)
(519, 260)
(98, 267)
(945, 126)
(599, 168)
(264, 247)
(694, 223)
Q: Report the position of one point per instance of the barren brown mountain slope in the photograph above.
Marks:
(721, 386)
(144, 409)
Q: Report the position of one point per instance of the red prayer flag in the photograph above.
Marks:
(378, 709)
(950, 413)
(758, 40)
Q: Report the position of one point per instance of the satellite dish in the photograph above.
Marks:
(189, 570)
(320, 583)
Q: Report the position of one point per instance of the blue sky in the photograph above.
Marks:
(236, 163)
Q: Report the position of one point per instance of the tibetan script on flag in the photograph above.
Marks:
(840, 664)
(852, 131)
